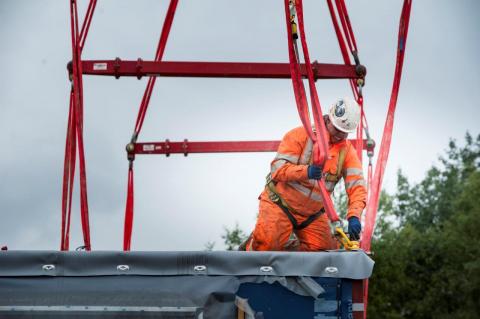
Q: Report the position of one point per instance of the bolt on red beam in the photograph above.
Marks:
(186, 147)
(141, 68)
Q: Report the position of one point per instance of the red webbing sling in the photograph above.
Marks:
(68, 176)
(372, 204)
(319, 136)
(75, 132)
(376, 182)
(167, 24)
(347, 26)
(346, 37)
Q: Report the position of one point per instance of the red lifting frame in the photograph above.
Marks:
(294, 70)
(152, 69)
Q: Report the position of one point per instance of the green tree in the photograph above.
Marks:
(234, 237)
(340, 199)
(385, 221)
(428, 266)
(209, 246)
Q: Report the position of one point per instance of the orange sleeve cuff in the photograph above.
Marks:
(354, 212)
(291, 172)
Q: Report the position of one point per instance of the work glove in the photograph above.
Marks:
(314, 172)
(354, 228)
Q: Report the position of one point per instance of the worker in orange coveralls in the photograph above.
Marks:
(291, 201)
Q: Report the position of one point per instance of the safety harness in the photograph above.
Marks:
(338, 174)
(277, 199)
(287, 209)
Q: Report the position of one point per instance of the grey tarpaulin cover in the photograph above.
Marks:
(145, 284)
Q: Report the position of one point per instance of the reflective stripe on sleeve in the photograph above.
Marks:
(291, 158)
(281, 159)
(307, 152)
(329, 185)
(277, 164)
(353, 171)
(357, 182)
(305, 191)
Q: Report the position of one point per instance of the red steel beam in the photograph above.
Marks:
(187, 147)
(141, 68)
(358, 301)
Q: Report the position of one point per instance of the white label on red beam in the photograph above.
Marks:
(149, 148)
(99, 66)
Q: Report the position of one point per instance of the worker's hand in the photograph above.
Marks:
(314, 172)
(354, 228)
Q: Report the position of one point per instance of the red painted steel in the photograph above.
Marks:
(187, 147)
(295, 70)
(140, 68)
(358, 299)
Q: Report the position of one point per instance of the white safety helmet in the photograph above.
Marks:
(345, 115)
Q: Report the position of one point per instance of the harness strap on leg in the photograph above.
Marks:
(294, 222)
(277, 199)
(311, 219)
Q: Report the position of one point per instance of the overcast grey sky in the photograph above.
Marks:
(182, 203)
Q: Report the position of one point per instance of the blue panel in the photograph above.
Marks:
(346, 299)
(275, 301)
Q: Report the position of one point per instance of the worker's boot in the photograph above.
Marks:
(293, 244)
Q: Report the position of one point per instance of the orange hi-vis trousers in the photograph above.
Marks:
(273, 230)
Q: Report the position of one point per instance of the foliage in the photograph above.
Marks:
(233, 238)
(340, 199)
(209, 246)
(385, 221)
(427, 259)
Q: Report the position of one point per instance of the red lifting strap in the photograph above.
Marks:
(319, 136)
(167, 24)
(86, 23)
(376, 182)
(372, 205)
(68, 176)
(75, 132)
(127, 232)
(345, 34)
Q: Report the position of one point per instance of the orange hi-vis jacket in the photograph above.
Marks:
(289, 171)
